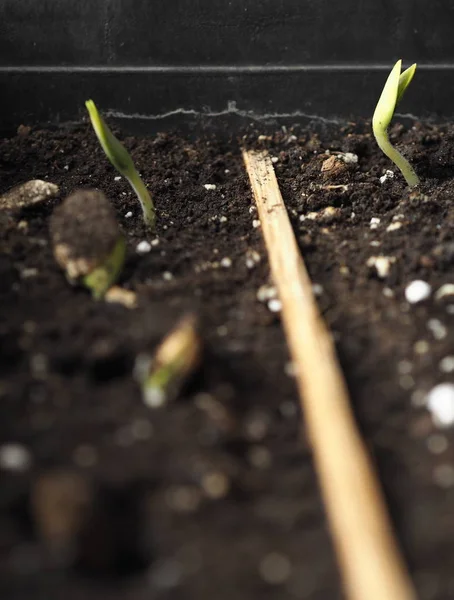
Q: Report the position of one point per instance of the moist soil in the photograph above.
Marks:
(214, 495)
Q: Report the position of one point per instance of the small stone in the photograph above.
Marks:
(388, 175)
(117, 178)
(155, 242)
(348, 158)
(382, 264)
(226, 262)
(445, 290)
(440, 402)
(421, 347)
(167, 276)
(256, 223)
(444, 475)
(275, 305)
(143, 247)
(274, 159)
(439, 331)
(29, 273)
(223, 219)
(209, 186)
(388, 292)
(374, 222)
(266, 292)
(216, 485)
(14, 457)
(317, 289)
(394, 226)
(128, 215)
(447, 364)
(417, 291)
(154, 397)
(437, 443)
(275, 568)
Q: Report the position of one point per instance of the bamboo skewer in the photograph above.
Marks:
(370, 562)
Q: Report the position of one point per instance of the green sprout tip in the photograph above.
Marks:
(392, 93)
(123, 163)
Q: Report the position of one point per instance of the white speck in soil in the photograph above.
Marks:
(28, 273)
(266, 292)
(167, 276)
(216, 485)
(226, 171)
(275, 305)
(437, 443)
(223, 219)
(444, 475)
(226, 262)
(439, 331)
(143, 247)
(14, 457)
(417, 291)
(255, 223)
(445, 290)
(447, 364)
(388, 292)
(128, 215)
(85, 456)
(375, 243)
(275, 568)
(388, 175)
(274, 159)
(252, 209)
(404, 367)
(317, 289)
(382, 264)
(394, 226)
(348, 157)
(259, 457)
(155, 242)
(374, 222)
(166, 574)
(421, 347)
(117, 178)
(209, 186)
(440, 403)
(66, 167)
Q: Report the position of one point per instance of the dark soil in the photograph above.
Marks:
(215, 495)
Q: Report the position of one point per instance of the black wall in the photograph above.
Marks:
(174, 61)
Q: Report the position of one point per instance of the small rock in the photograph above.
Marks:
(143, 247)
(388, 175)
(274, 159)
(394, 226)
(14, 457)
(117, 178)
(209, 186)
(439, 331)
(266, 292)
(128, 215)
(440, 403)
(275, 305)
(374, 222)
(167, 276)
(348, 158)
(445, 290)
(226, 262)
(381, 264)
(256, 223)
(447, 364)
(417, 291)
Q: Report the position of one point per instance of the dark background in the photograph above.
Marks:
(220, 61)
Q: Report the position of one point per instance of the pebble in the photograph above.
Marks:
(317, 289)
(417, 291)
(348, 157)
(444, 475)
(14, 457)
(447, 364)
(216, 485)
(445, 290)
(117, 178)
(266, 292)
(274, 159)
(153, 397)
(226, 262)
(223, 219)
(388, 292)
(374, 222)
(394, 226)
(440, 403)
(143, 247)
(382, 264)
(256, 223)
(388, 175)
(167, 276)
(275, 568)
(209, 186)
(275, 305)
(421, 347)
(128, 215)
(155, 242)
(437, 328)
(437, 443)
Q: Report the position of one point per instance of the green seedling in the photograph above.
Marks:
(162, 375)
(392, 93)
(87, 242)
(123, 163)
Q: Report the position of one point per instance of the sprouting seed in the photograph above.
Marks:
(392, 93)
(123, 163)
(87, 242)
(162, 375)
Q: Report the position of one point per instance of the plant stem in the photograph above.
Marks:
(402, 163)
(149, 214)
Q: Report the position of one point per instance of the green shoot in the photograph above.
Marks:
(102, 277)
(392, 93)
(123, 163)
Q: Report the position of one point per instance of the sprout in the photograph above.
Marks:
(87, 242)
(122, 161)
(392, 93)
(162, 376)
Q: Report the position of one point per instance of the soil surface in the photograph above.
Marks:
(214, 495)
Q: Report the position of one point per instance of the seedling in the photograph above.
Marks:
(123, 163)
(162, 375)
(87, 242)
(392, 93)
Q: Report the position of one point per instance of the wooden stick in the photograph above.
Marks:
(370, 562)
